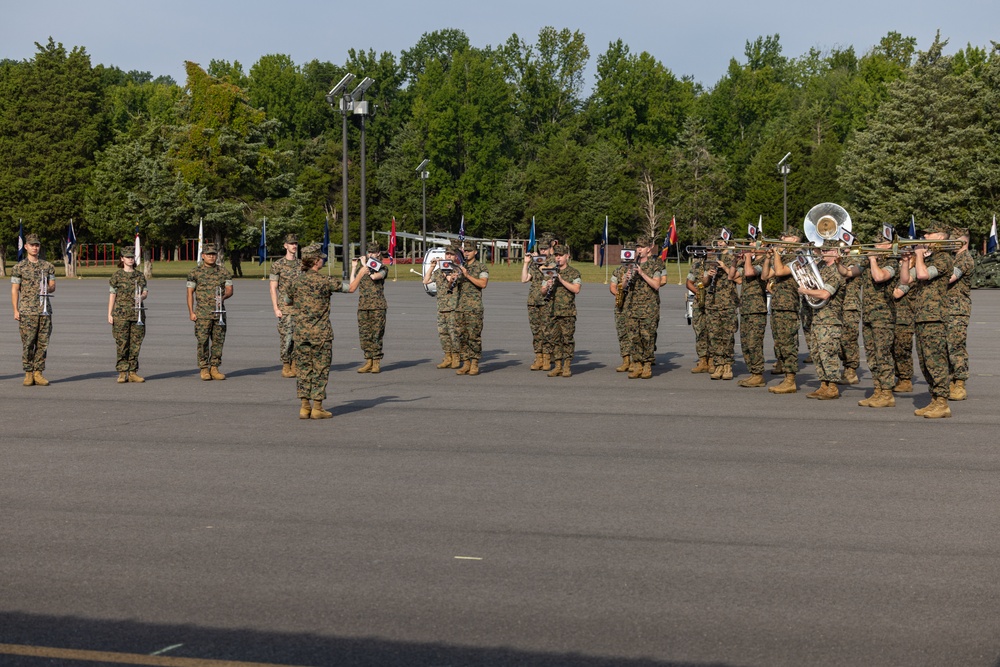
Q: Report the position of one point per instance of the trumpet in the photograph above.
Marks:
(43, 295)
(139, 306)
(220, 308)
(806, 274)
(552, 275)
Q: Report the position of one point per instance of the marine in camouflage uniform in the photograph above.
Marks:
(560, 294)
(538, 307)
(469, 311)
(283, 272)
(753, 318)
(785, 305)
(371, 308)
(903, 333)
(696, 285)
(826, 326)
(959, 312)
(446, 296)
(621, 280)
(850, 352)
(124, 318)
(35, 328)
(204, 284)
(720, 303)
(312, 334)
(643, 304)
(878, 318)
(928, 283)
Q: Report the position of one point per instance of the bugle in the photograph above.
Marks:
(139, 305)
(220, 308)
(43, 295)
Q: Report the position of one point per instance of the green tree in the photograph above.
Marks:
(699, 190)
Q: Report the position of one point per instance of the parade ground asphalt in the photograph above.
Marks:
(504, 519)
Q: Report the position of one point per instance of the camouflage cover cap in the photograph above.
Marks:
(643, 241)
(128, 252)
(209, 249)
(958, 232)
(560, 250)
(629, 246)
(32, 239)
(373, 246)
(830, 244)
(291, 238)
(935, 227)
(314, 250)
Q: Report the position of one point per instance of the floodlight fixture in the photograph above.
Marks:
(422, 166)
(365, 84)
(787, 155)
(340, 88)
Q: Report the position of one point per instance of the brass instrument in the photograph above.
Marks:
(806, 275)
(43, 294)
(220, 308)
(139, 306)
(623, 288)
(551, 273)
(898, 248)
(825, 222)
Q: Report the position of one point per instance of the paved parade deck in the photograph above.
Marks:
(508, 518)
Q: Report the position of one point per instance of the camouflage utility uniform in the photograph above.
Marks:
(698, 322)
(126, 330)
(785, 304)
(930, 314)
(959, 312)
(283, 273)
(643, 304)
(447, 301)
(561, 325)
(621, 315)
(538, 308)
(469, 312)
(206, 280)
(753, 318)
(371, 313)
(850, 352)
(312, 333)
(720, 302)
(902, 343)
(825, 327)
(879, 322)
(35, 328)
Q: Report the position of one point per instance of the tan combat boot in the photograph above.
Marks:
(711, 365)
(464, 370)
(958, 392)
(701, 366)
(787, 385)
(446, 362)
(205, 375)
(474, 367)
(831, 392)
(754, 380)
(318, 412)
(39, 379)
(938, 409)
(727, 372)
(647, 371)
(920, 412)
(122, 377)
(546, 362)
(819, 392)
(134, 377)
(29, 379)
(376, 366)
(536, 365)
(216, 375)
(851, 376)
(626, 365)
(556, 369)
(717, 372)
(286, 371)
(305, 412)
(566, 372)
(456, 361)
(777, 370)
(635, 370)
(883, 398)
(295, 370)
(367, 368)
(866, 402)
(903, 386)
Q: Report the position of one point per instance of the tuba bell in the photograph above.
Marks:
(825, 222)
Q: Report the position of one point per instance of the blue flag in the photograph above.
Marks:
(20, 243)
(531, 235)
(991, 245)
(70, 238)
(604, 241)
(262, 249)
(326, 237)
(913, 228)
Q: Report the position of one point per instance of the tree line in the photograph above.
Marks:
(510, 133)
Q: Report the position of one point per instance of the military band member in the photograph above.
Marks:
(474, 279)
(753, 317)
(208, 288)
(32, 280)
(371, 307)
(785, 305)
(643, 303)
(621, 279)
(123, 316)
(697, 288)
(446, 296)
(928, 281)
(538, 307)
(720, 303)
(560, 292)
(283, 272)
(825, 326)
(902, 344)
(878, 327)
(959, 312)
(850, 353)
(312, 334)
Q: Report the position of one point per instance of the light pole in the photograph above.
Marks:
(783, 169)
(422, 169)
(339, 96)
(361, 108)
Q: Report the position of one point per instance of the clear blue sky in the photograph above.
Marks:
(691, 38)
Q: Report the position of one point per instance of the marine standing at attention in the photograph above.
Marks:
(128, 291)
(32, 280)
(208, 287)
(283, 272)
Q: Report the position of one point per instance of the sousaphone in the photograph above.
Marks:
(825, 222)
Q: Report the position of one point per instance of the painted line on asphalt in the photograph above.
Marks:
(123, 658)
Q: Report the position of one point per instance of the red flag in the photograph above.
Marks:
(392, 242)
(671, 239)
